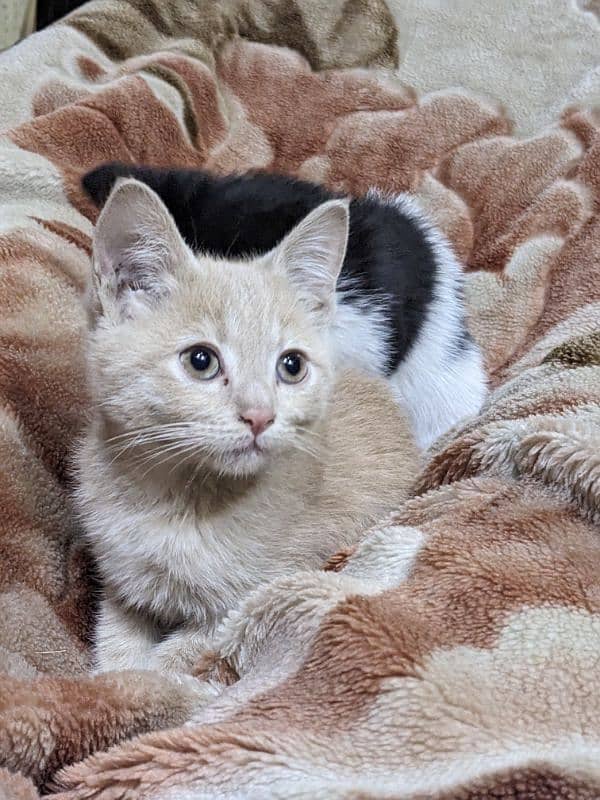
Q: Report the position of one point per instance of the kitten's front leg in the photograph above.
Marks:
(124, 639)
(180, 651)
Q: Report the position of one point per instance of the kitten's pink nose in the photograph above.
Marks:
(258, 419)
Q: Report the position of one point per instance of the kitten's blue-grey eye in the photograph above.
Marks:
(201, 362)
(292, 367)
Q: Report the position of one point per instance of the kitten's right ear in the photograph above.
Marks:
(137, 250)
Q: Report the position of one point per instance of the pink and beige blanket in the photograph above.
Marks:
(455, 652)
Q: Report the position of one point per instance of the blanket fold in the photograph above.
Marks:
(453, 652)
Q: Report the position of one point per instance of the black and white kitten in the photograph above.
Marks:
(400, 309)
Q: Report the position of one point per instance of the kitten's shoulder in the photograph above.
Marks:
(369, 438)
(357, 396)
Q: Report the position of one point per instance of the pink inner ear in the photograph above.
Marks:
(137, 240)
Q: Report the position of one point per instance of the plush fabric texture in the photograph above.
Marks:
(454, 652)
(18, 20)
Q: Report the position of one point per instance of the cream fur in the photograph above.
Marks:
(184, 519)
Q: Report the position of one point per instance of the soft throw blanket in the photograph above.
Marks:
(454, 652)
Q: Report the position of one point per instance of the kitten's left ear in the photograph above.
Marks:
(137, 250)
(312, 254)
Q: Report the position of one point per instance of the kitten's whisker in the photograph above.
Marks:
(175, 452)
(137, 440)
(184, 445)
(184, 457)
(123, 450)
(194, 474)
(308, 432)
(155, 452)
(304, 448)
(177, 433)
(155, 447)
(150, 429)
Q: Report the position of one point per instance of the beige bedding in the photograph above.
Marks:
(454, 653)
(17, 20)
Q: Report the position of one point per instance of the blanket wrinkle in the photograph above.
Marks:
(452, 653)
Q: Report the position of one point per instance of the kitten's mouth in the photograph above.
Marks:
(250, 449)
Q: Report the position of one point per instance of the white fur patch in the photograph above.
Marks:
(437, 384)
(361, 334)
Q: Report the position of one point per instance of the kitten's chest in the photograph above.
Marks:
(184, 567)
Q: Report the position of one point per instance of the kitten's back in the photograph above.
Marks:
(400, 309)
(389, 263)
(233, 215)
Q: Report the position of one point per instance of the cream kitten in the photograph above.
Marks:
(223, 450)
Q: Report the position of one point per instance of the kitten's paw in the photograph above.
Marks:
(104, 663)
(173, 663)
(203, 691)
(179, 652)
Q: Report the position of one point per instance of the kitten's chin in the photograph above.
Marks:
(241, 462)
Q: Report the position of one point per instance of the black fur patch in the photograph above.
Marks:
(240, 215)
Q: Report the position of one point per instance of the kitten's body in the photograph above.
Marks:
(184, 514)
(173, 554)
(399, 310)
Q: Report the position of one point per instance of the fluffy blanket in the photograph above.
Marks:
(454, 653)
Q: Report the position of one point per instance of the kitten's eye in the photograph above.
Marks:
(292, 367)
(201, 362)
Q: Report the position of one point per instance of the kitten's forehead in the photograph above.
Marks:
(242, 300)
